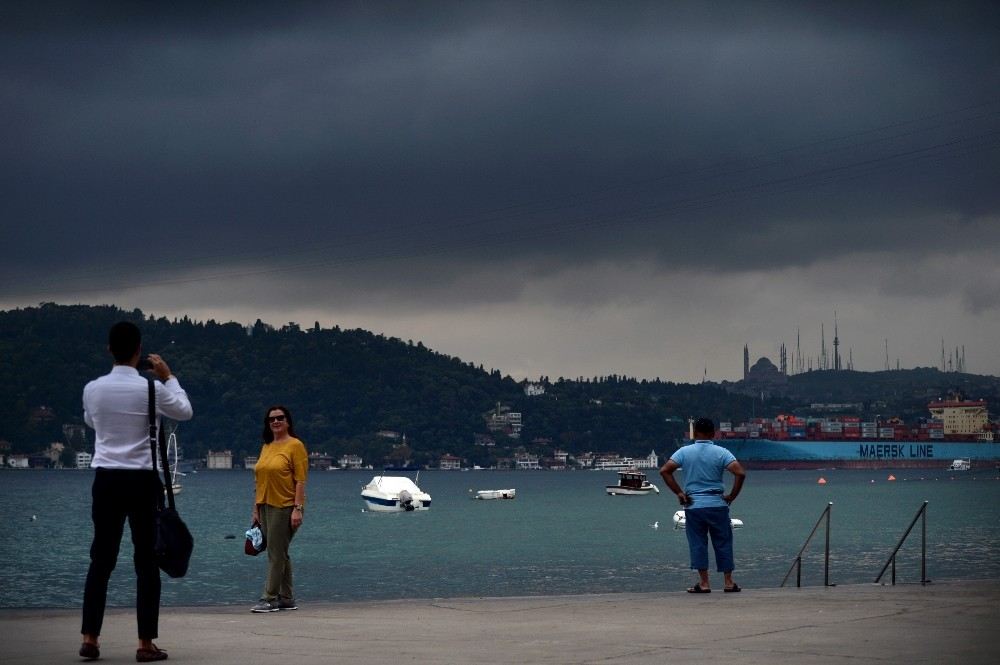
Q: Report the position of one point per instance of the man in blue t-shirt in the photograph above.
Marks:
(706, 506)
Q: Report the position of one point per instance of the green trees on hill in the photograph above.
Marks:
(344, 386)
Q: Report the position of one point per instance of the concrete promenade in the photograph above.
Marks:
(951, 622)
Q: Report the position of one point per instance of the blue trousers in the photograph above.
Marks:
(702, 522)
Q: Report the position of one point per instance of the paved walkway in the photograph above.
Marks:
(938, 623)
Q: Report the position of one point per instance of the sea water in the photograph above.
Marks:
(562, 535)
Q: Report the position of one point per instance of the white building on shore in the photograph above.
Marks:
(219, 459)
(350, 462)
(618, 463)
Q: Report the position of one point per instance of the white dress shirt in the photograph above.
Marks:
(116, 406)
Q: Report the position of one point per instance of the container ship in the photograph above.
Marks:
(955, 430)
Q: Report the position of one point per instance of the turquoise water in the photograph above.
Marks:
(562, 535)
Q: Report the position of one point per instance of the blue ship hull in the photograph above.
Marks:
(861, 454)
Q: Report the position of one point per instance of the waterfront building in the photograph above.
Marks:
(350, 462)
(250, 462)
(83, 459)
(450, 463)
(219, 459)
(615, 462)
(320, 461)
(526, 461)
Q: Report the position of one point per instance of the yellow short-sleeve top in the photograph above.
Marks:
(281, 464)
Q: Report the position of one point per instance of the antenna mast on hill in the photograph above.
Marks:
(836, 343)
(822, 346)
(887, 354)
(798, 352)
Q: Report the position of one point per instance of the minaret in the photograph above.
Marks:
(836, 344)
(746, 362)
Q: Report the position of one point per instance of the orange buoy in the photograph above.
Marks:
(891, 477)
(821, 481)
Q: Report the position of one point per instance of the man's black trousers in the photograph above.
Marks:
(121, 494)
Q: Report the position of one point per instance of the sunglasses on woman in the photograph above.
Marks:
(275, 419)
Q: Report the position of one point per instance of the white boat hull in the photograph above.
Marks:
(381, 505)
(485, 495)
(680, 521)
(632, 491)
(394, 494)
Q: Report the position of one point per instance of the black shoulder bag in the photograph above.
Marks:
(174, 542)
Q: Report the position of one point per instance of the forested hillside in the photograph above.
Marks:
(344, 386)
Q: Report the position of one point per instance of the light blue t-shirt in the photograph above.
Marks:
(704, 465)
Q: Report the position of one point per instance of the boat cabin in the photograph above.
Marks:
(632, 479)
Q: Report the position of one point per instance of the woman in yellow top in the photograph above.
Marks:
(279, 504)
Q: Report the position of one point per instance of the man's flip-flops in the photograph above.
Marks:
(732, 589)
(697, 589)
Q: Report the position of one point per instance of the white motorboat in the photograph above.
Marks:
(632, 483)
(963, 464)
(680, 521)
(495, 494)
(394, 494)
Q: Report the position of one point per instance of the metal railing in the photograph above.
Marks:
(797, 564)
(923, 548)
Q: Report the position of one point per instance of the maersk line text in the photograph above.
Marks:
(896, 451)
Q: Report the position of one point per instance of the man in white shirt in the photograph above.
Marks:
(125, 484)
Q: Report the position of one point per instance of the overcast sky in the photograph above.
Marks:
(561, 189)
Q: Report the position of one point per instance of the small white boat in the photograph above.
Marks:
(680, 521)
(394, 494)
(963, 464)
(632, 483)
(495, 494)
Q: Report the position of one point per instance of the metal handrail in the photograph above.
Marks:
(923, 548)
(797, 563)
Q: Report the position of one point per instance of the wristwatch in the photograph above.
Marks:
(299, 507)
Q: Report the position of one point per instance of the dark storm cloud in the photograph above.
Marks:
(402, 148)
